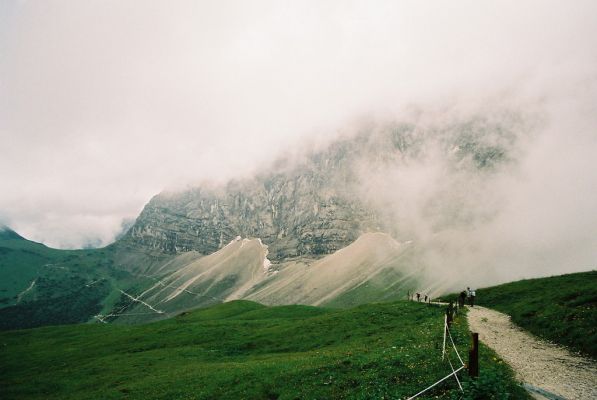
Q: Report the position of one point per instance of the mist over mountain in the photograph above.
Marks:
(440, 179)
(431, 200)
(160, 158)
(96, 121)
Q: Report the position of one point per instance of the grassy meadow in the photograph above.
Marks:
(244, 350)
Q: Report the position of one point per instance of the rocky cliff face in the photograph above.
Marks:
(308, 210)
(311, 208)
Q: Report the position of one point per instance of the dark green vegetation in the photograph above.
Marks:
(243, 350)
(44, 286)
(562, 309)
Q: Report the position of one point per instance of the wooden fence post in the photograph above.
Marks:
(473, 357)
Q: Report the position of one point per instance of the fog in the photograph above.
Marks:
(529, 212)
(105, 103)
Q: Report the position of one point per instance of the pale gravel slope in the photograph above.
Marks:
(535, 361)
(241, 270)
(374, 256)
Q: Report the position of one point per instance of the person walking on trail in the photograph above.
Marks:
(418, 296)
(473, 294)
(461, 299)
(425, 298)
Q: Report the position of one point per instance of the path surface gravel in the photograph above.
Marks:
(535, 361)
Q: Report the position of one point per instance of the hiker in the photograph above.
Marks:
(461, 299)
(418, 296)
(450, 314)
(473, 298)
(425, 298)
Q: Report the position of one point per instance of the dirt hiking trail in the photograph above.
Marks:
(542, 366)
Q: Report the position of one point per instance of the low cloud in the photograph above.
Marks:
(104, 104)
(495, 193)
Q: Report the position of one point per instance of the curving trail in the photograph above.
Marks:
(141, 301)
(24, 292)
(542, 366)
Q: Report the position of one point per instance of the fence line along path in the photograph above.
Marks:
(550, 368)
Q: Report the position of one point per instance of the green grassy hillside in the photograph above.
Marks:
(43, 286)
(243, 350)
(562, 309)
(20, 263)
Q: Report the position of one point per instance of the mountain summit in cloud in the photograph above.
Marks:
(457, 139)
(96, 121)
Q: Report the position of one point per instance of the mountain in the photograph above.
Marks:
(8, 234)
(303, 211)
(313, 229)
(197, 281)
(21, 261)
(44, 286)
(315, 205)
(375, 267)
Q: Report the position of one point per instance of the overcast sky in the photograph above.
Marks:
(106, 103)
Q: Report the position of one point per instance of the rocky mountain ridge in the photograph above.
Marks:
(301, 212)
(323, 221)
(314, 207)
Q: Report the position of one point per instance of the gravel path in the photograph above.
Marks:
(536, 362)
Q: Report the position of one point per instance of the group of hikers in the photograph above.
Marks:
(468, 294)
(425, 297)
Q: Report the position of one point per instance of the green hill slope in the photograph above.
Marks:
(44, 286)
(243, 350)
(562, 309)
(126, 285)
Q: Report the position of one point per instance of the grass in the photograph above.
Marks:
(42, 286)
(375, 289)
(562, 309)
(244, 350)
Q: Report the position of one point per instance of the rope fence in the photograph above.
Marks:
(436, 383)
(447, 335)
